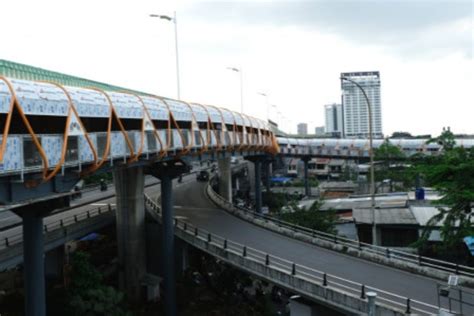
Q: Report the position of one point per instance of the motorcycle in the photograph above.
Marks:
(103, 185)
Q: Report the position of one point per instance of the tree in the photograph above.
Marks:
(393, 165)
(88, 296)
(446, 140)
(452, 174)
(313, 218)
(401, 135)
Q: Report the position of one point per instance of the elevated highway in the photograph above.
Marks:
(194, 206)
(57, 132)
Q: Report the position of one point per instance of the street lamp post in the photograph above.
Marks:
(268, 104)
(241, 87)
(276, 111)
(371, 155)
(175, 21)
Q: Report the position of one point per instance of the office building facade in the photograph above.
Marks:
(354, 104)
(319, 130)
(302, 129)
(333, 118)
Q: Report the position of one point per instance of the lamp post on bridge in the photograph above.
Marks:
(240, 71)
(371, 155)
(175, 21)
(268, 104)
(276, 111)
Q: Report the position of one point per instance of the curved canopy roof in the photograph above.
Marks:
(89, 103)
(37, 98)
(5, 97)
(156, 108)
(228, 116)
(180, 110)
(126, 105)
(200, 112)
(214, 114)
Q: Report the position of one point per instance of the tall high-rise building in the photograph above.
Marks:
(354, 105)
(302, 129)
(319, 130)
(333, 115)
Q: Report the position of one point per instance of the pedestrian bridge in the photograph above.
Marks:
(53, 130)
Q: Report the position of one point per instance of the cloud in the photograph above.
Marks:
(402, 25)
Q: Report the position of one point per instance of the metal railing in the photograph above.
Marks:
(401, 303)
(386, 252)
(17, 238)
(456, 299)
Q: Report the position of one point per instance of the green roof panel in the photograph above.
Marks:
(26, 72)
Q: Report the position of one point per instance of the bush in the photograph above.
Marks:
(88, 296)
(313, 218)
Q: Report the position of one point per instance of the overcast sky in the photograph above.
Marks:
(294, 51)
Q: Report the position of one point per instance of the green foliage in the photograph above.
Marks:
(446, 139)
(104, 300)
(300, 183)
(312, 218)
(274, 201)
(95, 178)
(388, 152)
(401, 135)
(88, 296)
(452, 175)
(393, 165)
(84, 274)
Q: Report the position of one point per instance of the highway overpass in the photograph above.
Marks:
(56, 132)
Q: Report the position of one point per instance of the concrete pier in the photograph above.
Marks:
(130, 221)
(225, 178)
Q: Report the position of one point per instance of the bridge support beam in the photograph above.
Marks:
(307, 188)
(225, 178)
(258, 188)
(166, 172)
(130, 223)
(33, 248)
(168, 245)
(268, 172)
(33, 251)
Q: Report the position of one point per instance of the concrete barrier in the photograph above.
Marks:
(295, 282)
(339, 247)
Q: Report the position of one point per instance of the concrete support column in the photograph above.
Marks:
(251, 175)
(33, 263)
(168, 245)
(258, 188)
(54, 263)
(268, 167)
(185, 258)
(307, 188)
(225, 178)
(130, 222)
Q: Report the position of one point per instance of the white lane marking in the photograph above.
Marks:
(196, 208)
(101, 204)
(181, 217)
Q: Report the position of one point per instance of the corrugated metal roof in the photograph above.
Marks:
(399, 216)
(26, 72)
(396, 201)
(423, 213)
